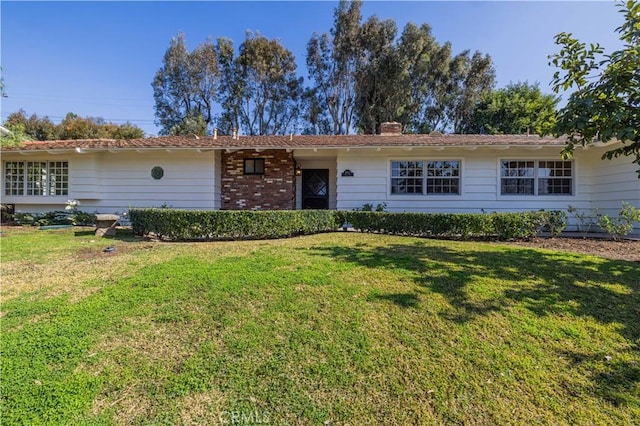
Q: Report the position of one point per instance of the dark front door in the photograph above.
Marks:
(315, 189)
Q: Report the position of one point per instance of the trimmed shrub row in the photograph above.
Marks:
(502, 226)
(230, 224)
(57, 217)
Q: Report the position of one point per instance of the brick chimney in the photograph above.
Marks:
(390, 129)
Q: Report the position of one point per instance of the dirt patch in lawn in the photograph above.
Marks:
(619, 250)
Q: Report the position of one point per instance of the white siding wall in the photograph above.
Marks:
(480, 188)
(613, 181)
(113, 182)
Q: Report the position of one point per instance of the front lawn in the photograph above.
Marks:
(340, 328)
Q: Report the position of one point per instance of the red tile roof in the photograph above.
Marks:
(292, 142)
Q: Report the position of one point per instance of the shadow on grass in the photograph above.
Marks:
(554, 283)
(121, 235)
(405, 300)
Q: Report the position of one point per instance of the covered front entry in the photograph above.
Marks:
(315, 189)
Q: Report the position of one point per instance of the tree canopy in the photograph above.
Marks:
(186, 86)
(605, 102)
(71, 127)
(361, 73)
(519, 108)
(256, 91)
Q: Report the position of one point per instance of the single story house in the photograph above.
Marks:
(426, 173)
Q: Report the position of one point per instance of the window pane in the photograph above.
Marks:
(406, 186)
(443, 177)
(517, 168)
(407, 177)
(58, 178)
(515, 186)
(14, 178)
(554, 187)
(259, 166)
(555, 178)
(37, 178)
(254, 166)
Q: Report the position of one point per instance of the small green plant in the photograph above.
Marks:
(555, 222)
(368, 207)
(24, 218)
(75, 216)
(586, 219)
(619, 227)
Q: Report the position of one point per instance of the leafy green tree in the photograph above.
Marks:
(364, 75)
(473, 78)
(76, 127)
(34, 127)
(187, 84)
(15, 137)
(519, 108)
(419, 50)
(606, 101)
(191, 125)
(229, 119)
(332, 62)
(380, 90)
(172, 87)
(127, 131)
(268, 87)
(71, 127)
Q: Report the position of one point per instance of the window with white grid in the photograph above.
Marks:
(58, 178)
(555, 178)
(536, 177)
(443, 177)
(14, 178)
(425, 177)
(407, 177)
(36, 178)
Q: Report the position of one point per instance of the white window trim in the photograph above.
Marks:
(535, 159)
(424, 196)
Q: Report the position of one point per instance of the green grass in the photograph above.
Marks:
(346, 328)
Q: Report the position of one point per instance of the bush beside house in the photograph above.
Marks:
(231, 225)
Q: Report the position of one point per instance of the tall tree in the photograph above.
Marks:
(229, 118)
(268, 89)
(475, 81)
(519, 108)
(380, 92)
(172, 86)
(418, 50)
(363, 74)
(332, 63)
(187, 84)
(606, 101)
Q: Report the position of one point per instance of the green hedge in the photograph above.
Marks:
(503, 226)
(230, 224)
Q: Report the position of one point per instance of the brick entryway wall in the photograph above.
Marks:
(275, 190)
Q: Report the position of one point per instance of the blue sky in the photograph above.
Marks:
(99, 58)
